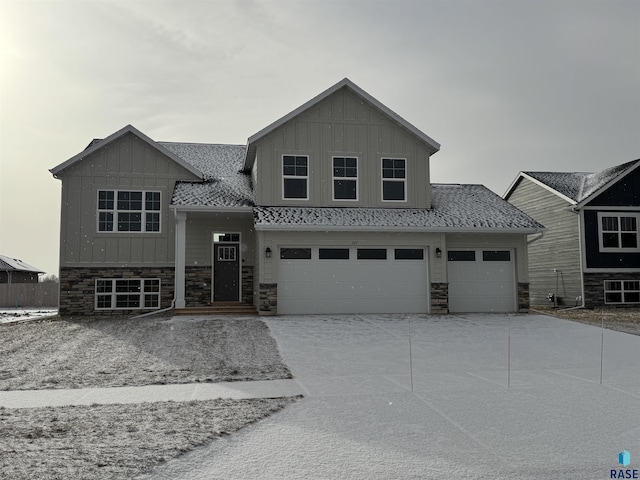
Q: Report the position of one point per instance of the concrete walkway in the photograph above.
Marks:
(151, 393)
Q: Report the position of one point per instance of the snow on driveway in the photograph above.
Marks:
(361, 419)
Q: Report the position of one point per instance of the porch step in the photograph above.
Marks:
(219, 309)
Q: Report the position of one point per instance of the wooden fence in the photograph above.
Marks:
(18, 295)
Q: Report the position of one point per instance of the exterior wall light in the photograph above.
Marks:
(267, 252)
(438, 252)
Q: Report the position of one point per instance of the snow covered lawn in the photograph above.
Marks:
(115, 441)
(8, 315)
(119, 441)
(122, 352)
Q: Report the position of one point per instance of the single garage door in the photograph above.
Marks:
(352, 280)
(481, 280)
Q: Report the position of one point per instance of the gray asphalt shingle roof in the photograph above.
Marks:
(470, 207)
(580, 185)
(225, 184)
(464, 207)
(15, 264)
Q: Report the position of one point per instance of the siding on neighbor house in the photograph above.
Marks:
(624, 193)
(127, 163)
(343, 124)
(558, 249)
(595, 259)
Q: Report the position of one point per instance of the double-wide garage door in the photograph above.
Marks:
(481, 280)
(352, 280)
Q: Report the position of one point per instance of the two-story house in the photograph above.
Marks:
(590, 252)
(329, 209)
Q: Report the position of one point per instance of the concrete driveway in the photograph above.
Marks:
(446, 397)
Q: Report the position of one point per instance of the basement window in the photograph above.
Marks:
(127, 293)
(621, 291)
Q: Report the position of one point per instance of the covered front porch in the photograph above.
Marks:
(215, 257)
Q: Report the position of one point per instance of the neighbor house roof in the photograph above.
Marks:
(226, 185)
(345, 83)
(455, 208)
(576, 187)
(14, 264)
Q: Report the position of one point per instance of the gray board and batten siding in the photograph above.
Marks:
(342, 125)
(558, 249)
(127, 163)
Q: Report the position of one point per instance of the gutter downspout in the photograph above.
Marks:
(580, 240)
(155, 312)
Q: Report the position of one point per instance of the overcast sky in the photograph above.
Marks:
(503, 86)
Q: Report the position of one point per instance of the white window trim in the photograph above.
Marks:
(298, 177)
(114, 294)
(356, 179)
(622, 291)
(115, 212)
(602, 248)
(404, 180)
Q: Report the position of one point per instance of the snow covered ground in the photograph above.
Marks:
(450, 397)
(8, 315)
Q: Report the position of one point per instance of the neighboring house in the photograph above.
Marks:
(13, 271)
(329, 209)
(590, 251)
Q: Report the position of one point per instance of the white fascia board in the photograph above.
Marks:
(348, 228)
(128, 129)
(539, 183)
(198, 208)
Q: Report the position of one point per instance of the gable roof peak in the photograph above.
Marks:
(344, 83)
(578, 188)
(96, 144)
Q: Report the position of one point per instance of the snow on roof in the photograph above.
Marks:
(596, 181)
(13, 264)
(578, 186)
(567, 184)
(215, 193)
(225, 184)
(454, 207)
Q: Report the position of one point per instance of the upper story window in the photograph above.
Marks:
(345, 178)
(128, 211)
(394, 180)
(618, 232)
(295, 177)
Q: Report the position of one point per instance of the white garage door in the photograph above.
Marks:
(481, 281)
(352, 280)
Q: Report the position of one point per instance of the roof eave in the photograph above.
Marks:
(349, 228)
(205, 208)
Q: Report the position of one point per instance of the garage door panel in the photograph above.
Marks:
(480, 283)
(352, 285)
